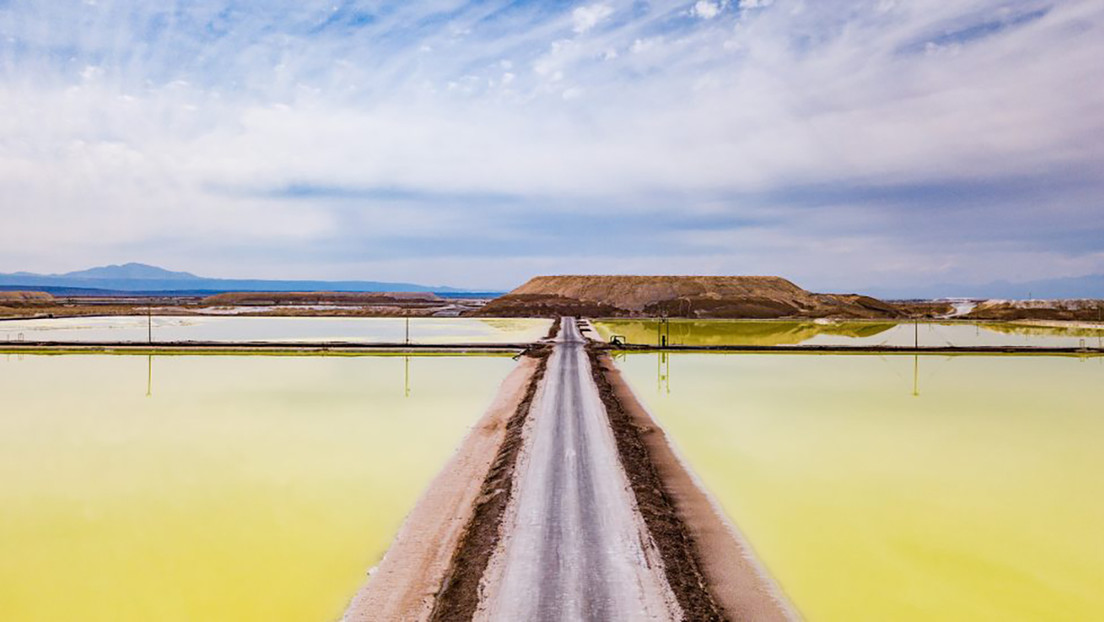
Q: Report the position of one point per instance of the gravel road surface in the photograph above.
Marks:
(574, 546)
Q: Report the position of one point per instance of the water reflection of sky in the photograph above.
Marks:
(278, 329)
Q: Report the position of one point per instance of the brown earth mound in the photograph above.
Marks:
(679, 296)
(304, 298)
(925, 309)
(1069, 310)
(21, 299)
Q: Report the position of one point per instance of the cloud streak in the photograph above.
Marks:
(447, 131)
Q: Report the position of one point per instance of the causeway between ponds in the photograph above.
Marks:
(575, 546)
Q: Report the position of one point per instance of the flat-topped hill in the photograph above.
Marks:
(679, 296)
(18, 298)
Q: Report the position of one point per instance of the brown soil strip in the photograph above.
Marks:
(710, 570)
(459, 591)
(405, 583)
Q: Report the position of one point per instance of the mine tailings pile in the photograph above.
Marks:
(752, 297)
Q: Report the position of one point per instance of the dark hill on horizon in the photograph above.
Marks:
(753, 297)
(144, 278)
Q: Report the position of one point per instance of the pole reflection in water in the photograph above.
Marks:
(406, 376)
(663, 372)
(916, 375)
(149, 375)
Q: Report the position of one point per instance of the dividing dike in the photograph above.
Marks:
(574, 545)
(567, 502)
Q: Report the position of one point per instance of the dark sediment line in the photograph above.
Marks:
(458, 598)
(671, 536)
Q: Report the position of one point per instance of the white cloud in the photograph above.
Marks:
(585, 18)
(706, 9)
(186, 141)
(640, 46)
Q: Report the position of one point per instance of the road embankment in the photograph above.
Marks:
(406, 583)
(458, 596)
(710, 567)
(574, 545)
(567, 500)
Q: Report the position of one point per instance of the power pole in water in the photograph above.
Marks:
(149, 324)
(407, 331)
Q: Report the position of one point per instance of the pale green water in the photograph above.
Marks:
(240, 489)
(783, 332)
(284, 329)
(973, 492)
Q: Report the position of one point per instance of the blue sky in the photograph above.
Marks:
(841, 144)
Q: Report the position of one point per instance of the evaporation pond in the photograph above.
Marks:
(847, 333)
(901, 488)
(236, 488)
(284, 329)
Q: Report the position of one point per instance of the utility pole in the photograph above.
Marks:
(916, 335)
(408, 331)
(149, 324)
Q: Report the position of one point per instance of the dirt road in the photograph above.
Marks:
(575, 548)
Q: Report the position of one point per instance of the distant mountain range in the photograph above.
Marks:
(143, 278)
(137, 277)
(1091, 286)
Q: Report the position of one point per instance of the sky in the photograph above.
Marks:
(843, 145)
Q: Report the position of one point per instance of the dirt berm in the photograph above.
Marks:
(1065, 310)
(19, 299)
(679, 296)
(24, 303)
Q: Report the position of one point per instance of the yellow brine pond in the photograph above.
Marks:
(215, 488)
(899, 487)
(184, 328)
(772, 333)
